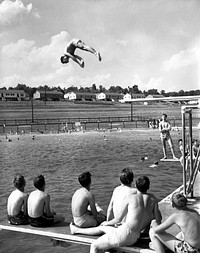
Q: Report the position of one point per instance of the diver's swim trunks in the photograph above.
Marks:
(85, 221)
(184, 247)
(19, 219)
(41, 221)
(122, 236)
(165, 136)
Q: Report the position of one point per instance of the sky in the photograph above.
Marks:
(154, 44)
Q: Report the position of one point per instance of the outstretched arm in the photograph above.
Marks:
(158, 228)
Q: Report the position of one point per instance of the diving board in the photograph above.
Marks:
(60, 232)
(169, 160)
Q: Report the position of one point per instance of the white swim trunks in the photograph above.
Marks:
(123, 236)
(85, 221)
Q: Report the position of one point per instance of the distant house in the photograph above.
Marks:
(127, 97)
(88, 96)
(108, 96)
(48, 95)
(155, 96)
(133, 96)
(13, 95)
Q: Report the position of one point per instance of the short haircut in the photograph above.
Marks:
(143, 183)
(85, 179)
(164, 114)
(126, 176)
(179, 200)
(19, 181)
(180, 140)
(63, 58)
(39, 182)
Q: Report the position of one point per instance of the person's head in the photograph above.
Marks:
(126, 176)
(180, 142)
(39, 182)
(179, 200)
(143, 184)
(164, 116)
(195, 143)
(85, 179)
(19, 182)
(64, 59)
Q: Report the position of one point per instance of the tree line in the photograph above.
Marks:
(94, 89)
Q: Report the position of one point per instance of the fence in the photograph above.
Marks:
(46, 125)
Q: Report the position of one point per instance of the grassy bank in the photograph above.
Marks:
(23, 109)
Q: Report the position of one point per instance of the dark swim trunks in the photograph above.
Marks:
(19, 219)
(41, 221)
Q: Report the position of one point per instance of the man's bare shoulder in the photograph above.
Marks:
(152, 197)
(134, 199)
(39, 194)
(82, 192)
(117, 189)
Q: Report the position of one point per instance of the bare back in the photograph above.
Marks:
(38, 204)
(189, 223)
(81, 199)
(119, 194)
(151, 210)
(135, 214)
(16, 201)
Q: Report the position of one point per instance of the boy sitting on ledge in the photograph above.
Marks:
(39, 212)
(17, 203)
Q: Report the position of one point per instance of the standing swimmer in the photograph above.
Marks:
(164, 129)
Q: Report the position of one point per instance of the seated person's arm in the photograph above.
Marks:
(47, 209)
(157, 213)
(118, 219)
(110, 210)
(165, 225)
(91, 200)
(25, 205)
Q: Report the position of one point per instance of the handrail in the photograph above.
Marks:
(194, 173)
(188, 186)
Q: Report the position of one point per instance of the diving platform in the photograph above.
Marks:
(61, 236)
(193, 203)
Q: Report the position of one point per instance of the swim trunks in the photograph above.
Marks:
(41, 221)
(122, 236)
(85, 221)
(184, 247)
(165, 136)
(19, 219)
(75, 43)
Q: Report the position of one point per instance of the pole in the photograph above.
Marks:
(45, 95)
(190, 143)
(32, 110)
(183, 138)
(131, 110)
